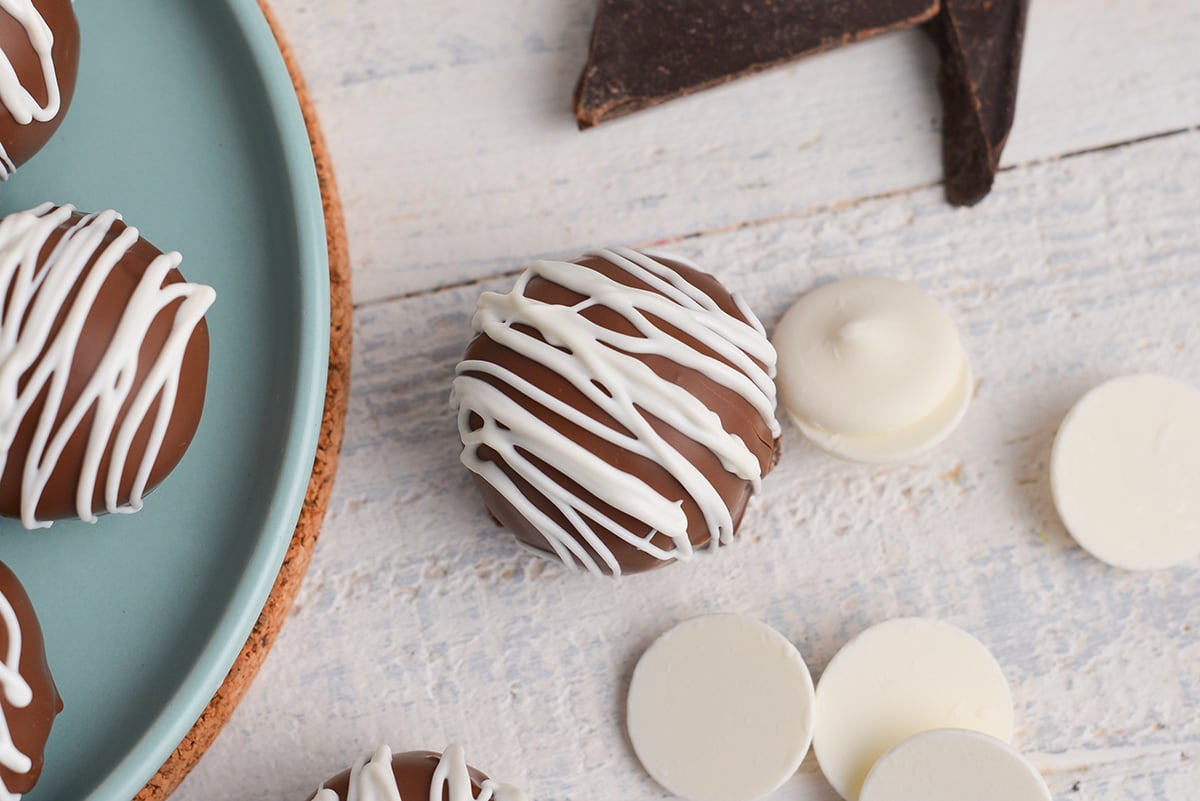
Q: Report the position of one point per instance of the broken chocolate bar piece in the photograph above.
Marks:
(648, 52)
(980, 44)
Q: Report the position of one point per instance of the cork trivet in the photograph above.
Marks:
(299, 553)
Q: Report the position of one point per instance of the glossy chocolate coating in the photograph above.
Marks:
(28, 725)
(736, 414)
(414, 777)
(21, 142)
(58, 499)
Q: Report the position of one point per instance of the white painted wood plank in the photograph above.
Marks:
(421, 623)
(451, 127)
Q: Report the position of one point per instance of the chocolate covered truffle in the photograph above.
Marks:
(39, 60)
(617, 411)
(28, 698)
(103, 364)
(415, 776)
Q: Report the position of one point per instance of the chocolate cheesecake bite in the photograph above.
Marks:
(103, 364)
(617, 411)
(39, 61)
(28, 698)
(415, 776)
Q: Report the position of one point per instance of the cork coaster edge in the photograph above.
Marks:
(308, 528)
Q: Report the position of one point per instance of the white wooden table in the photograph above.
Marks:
(450, 124)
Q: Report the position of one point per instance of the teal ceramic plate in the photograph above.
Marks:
(185, 121)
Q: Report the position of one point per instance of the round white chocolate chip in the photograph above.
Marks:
(896, 680)
(953, 765)
(872, 369)
(721, 709)
(1125, 472)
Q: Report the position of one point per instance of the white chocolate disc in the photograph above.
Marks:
(903, 444)
(721, 709)
(898, 679)
(872, 369)
(1125, 472)
(954, 765)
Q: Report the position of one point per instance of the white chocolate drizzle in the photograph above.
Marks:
(608, 368)
(15, 97)
(17, 693)
(36, 359)
(371, 779)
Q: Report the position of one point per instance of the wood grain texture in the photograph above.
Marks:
(420, 623)
(320, 486)
(452, 128)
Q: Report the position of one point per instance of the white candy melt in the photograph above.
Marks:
(872, 369)
(954, 765)
(721, 709)
(898, 679)
(1125, 472)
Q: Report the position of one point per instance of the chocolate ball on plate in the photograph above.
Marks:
(103, 364)
(617, 411)
(39, 60)
(415, 776)
(28, 698)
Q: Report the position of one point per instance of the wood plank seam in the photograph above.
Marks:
(812, 211)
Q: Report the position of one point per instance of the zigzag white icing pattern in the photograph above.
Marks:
(17, 693)
(606, 366)
(371, 779)
(13, 95)
(38, 287)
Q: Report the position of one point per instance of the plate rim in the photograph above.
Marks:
(187, 702)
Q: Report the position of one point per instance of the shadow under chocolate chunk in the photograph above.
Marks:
(644, 53)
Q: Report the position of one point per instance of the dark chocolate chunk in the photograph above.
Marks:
(646, 53)
(980, 43)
